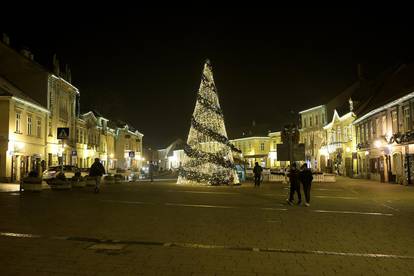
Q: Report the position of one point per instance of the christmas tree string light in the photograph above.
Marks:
(208, 152)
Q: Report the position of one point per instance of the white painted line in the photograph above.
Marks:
(19, 235)
(274, 209)
(199, 205)
(352, 212)
(197, 192)
(124, 202)
(336, 197)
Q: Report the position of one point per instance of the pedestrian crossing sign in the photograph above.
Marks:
(63, 133)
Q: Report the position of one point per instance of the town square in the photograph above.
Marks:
(152, 146)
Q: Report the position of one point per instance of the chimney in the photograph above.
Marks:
(6, 39)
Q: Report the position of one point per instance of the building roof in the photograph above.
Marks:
(9, 89)
(393, 84)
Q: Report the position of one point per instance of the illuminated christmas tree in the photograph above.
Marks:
(208, 152)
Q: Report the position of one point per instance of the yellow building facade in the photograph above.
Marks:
(22, 133)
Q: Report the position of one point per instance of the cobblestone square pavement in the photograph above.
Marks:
(353, 227)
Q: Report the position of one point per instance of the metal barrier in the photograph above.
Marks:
(316, 178)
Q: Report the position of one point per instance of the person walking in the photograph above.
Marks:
(306, 178)
(151, 171)
(96, 171)
(257, 171)
(294, 184)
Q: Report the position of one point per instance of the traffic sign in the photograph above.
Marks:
(63, 133)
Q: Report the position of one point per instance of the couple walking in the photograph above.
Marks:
(296, 177)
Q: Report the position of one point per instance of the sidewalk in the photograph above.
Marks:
(13, 187)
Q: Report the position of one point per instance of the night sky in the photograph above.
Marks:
(145, 68)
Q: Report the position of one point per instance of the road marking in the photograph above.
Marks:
(197, 192)
(336, 197)
(352, 212)
(274, 209)
(119, 244)
(18, 235)
(124, 202)
(199, 205)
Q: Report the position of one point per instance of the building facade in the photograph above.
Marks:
(254, 149)
(312, 135)
(34, 103)
(385, 143)
(22, 133)
(338, 145)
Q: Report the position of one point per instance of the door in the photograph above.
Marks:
(381, 169)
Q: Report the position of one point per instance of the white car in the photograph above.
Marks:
(68, 170)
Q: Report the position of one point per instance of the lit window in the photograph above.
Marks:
(18, 122)
(394, 120)
(39, 128)
(406, 118)
(29, 125)
(262, 146)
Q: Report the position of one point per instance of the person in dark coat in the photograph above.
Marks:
(96, 171)
(294, 184)
(257, 171)
(306, 178)
(151, 169)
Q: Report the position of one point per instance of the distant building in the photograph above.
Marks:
(23, 133)
(384, 129)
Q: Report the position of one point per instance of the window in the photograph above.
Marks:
(39, 128)
(406, 118)
(366, 132)
(339, 134)
(384, 125)
(310, 121)
(262, 146)
(323, 118)
(304, 121)
(378, 127)
(18, 122)
(371, 129)
(357, 134)
(50, 128)
(316, 120)
(394, 120)
(345, 134)
(29, 125)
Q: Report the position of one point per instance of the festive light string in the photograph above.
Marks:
(215, 158)
(216, 136)
(214, 167)
(209, 105)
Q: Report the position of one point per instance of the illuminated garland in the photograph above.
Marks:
(216, 136)
(207, 104)
(201, 156)
(214, 179)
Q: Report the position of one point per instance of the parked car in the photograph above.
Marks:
(68, 170)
